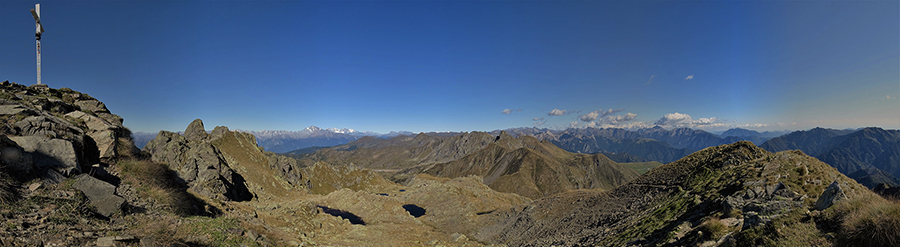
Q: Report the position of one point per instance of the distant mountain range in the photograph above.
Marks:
(282, 141)
(738, 132)
(523, 165)
(870, 155)
(656, 144)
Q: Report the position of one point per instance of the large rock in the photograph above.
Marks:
(198, 162)
(104, 134)
(92, 105)
(14, 157)
(46, 152)
(101, 194)
(46, 126)
(195, 131)
(830, 196)
(14, 109)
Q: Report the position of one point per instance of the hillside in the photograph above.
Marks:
(870, 155)
(522, 165)
(742, 190)
(63, 184)
(534, 174)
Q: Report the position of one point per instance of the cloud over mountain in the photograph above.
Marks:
(598, 114)
(685, 120)
(617, 121)
(557, 112)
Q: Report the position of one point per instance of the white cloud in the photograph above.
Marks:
(536, 124)
(598, 114)
(678, 120)
(557, 112)
(651, 80)
(507, 111)
(690, 77)
(590, 116)
(611, 111)
(619, 119)
(889, 97)
(537, 119)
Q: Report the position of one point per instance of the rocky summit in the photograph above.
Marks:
(71, 176)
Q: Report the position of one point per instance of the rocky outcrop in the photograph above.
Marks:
(195, 131)
(760, 204)
(101, 194)
(830, 196)
(199, 163)
(58, 129)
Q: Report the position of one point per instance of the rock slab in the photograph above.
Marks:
(57, 154)
(101, 194)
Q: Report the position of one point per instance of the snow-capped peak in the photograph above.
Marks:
(312, 128)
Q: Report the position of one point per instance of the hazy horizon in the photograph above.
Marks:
(469, 66)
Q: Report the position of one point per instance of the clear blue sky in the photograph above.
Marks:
(457, 65)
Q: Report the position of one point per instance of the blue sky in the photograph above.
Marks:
(457, 65)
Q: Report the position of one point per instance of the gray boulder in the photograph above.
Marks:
(15, 109)
(101, 194)
(46, 126)
(195, 131)
(104, 134)
(92, 105)
(830, 196)
(14, 156)
(57, 154)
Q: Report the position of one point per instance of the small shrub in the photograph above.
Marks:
(714, 228)
(734, 213)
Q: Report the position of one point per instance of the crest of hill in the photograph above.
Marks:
(670, 204)
(515, 165)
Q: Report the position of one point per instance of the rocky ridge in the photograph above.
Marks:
(739, 186)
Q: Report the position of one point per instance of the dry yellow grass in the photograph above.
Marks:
(867, 221)
(157, 182)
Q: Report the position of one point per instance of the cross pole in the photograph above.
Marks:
(38, 30)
